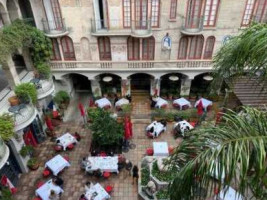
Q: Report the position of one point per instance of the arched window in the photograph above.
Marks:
(183, 45)
(127, 13)
(196, 47)
(133, 45)
(155, 12)
(104, 48)
(209, 47)
(55, 50)
(68, 49)
(148, 48)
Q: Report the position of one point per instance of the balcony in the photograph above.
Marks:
(192, 26)
(131, 65)
(116, 27)
(55, 28)
(4, 153)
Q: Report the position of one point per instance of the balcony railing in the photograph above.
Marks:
(4, 153)
(45, 88)
(25, 117)
(192, 26)
(192, 64)
(118, 27)
(55, 27)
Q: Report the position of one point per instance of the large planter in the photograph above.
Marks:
(14, 100)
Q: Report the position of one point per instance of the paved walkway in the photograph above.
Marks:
(75, 178)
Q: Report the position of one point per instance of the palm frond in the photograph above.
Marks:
(236, 148)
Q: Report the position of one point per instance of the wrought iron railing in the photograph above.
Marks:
(55, 26)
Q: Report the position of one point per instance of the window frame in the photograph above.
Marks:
(134, 42)
(193, 11)
(69, 43)
(158, 14)
(180, 47)
(123, 11)
(55, 48)
(57, 14)
(263, 11)
(150, 40)
(213, 39)
(200, 38)
(173, 9)
(243, 24)
(105, 53)
(210, 13)
(138, 23)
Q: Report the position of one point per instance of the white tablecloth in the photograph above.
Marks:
(101, 193)
(158, 128)
(107, 164)
(231, 194)
(66, 140)
(160, 102)
(182, 102)
(44, 191)
(101, 103)
(160, 149)
(184, 125)
(57, 164)
(122, 102)
(205, 103)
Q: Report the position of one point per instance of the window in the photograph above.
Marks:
(68, 49)
(209, 47)
(196, 47)
(57, 14)
(210, 14)
(133, 45)
(248, 12)
(155, 9)
(193, 13)
(173, 9)
(55, 50)
(126, 13)
(261, 11)
(183, 44)
(148, 48)
(141, 14)
(104, 48)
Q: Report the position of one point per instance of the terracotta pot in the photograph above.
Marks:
(34, 167)
(14, 100)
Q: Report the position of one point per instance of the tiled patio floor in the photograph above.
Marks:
(74, 178)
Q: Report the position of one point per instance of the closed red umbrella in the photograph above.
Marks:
(81, 108)
(91, 102)
(131, 128)
(49, 123)
(219, 117)
(127, 132)
(200, 108)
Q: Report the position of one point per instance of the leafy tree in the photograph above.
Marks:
(105, 129)
(238, 145)
(6, 126)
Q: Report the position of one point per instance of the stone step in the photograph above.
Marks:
(140, 121)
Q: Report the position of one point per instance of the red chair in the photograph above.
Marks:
(106, 175)
(170, 149)
(209, 108)
(164, 106)
(193, 124)
(121, 158)
(37, 198)
(58, 148)
(175, 105)
(46, 173)
(149, 134)
(109, 189)
(102, 154)
(39, 184)
(70, 146)
(66, 158)
(149, 151)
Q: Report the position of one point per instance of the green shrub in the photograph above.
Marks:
(43, 70)
(163, 176)
(93, 113)
(24, 91)
(6, 126)
(163, 194)
(26, 150)
(61, 97)
(126, 109)
(145, 174)
(32, 162)
(6, 193)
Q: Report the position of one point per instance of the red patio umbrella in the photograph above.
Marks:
(81, 108)
(49, 123)
(200, 108)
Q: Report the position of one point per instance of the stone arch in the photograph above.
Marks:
(200, 86)
(85, 48)
(12, 9)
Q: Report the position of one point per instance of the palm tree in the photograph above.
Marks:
(245, 53)
(237, 145)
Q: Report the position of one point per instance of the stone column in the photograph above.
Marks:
(60, 49)
(27, 59)
(185, 87)
(96, 89)
(125, 87)
(155, 87)
(10, 72)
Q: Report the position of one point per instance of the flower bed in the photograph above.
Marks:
(145, 175)
(163, 194)
(163, 176)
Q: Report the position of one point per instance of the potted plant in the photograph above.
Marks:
(6, 126)
(192, 96)
(33, 163)
(43, 70)
(126, 110)
(159, 114)
(26, 150)
(62, 98)
(175, 95)
(14, 100)
(93, 113)
(26, 92)
(169, 117)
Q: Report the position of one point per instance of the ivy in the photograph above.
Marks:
(6, 126)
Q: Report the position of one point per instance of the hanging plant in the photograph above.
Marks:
(6, 126)
(24, 91)
(43, 70)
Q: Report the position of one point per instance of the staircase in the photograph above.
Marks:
(141, 107)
